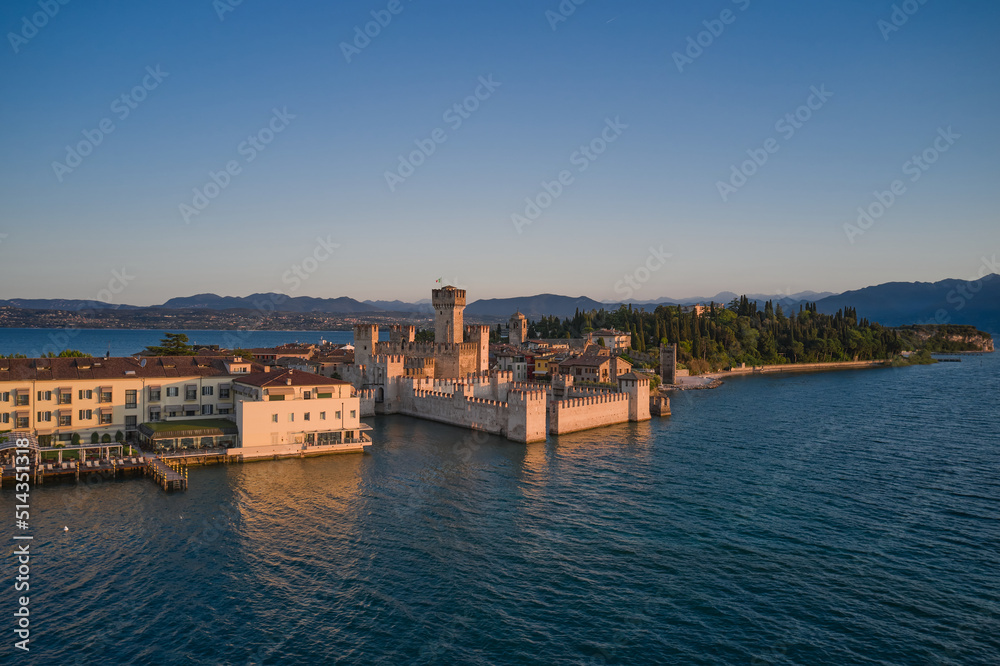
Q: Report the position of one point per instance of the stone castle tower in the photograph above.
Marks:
(668, 364)
(518, 330)
(365, 339)
(449, 306)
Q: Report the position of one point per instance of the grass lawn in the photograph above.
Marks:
(54, 455)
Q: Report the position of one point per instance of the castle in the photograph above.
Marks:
(450, 380)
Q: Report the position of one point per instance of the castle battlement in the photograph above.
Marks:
(384, 359)
(526, 396)
(421, 393)
(590, 401)
(484, 401)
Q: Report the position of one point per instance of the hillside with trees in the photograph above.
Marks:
(738, 333)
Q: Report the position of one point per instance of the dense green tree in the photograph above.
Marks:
(742, 333)
(172, 344)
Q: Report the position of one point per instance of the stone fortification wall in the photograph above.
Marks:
(367, 398)
(577, 414)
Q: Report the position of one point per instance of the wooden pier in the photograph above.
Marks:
(169, 474)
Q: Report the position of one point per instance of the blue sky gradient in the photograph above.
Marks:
(656, 185)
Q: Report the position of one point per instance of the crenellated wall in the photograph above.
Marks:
(575, 414)
(521, 418)
(367, 397)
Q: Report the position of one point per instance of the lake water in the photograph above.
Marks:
(35, 342)
(847, 517)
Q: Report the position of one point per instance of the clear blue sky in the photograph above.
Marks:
(656, 185)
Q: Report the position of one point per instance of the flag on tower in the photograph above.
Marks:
(438, 280)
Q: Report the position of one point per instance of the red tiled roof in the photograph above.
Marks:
(100, 368)
(280, 378)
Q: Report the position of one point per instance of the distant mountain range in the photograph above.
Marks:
(60, 304)
(944, 302)
(342, 305)
(892, 303)
(534, 307)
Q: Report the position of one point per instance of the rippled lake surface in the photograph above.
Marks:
(35, 342)
(849, 517)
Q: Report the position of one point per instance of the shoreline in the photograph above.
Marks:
(711, 380)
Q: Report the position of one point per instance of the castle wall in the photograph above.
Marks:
(526, 416)
(367, 398)
(521, 418)
(577, 414)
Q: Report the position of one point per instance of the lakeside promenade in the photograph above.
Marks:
(715, 379)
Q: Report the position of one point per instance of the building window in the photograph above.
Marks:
(21, 422)
(223, 410)
(207, 390)
(206, 410)
(154, 415)
(45, 395)
(336, 415)
(305, 417)
(5, 418)
(65, 420)
(130, 399)
(172, 391)
(86, 395)
(130, 423)
(354, 414)
(21, 399)
(5, 396)
(86, 414)
(322, 416)
(105, 418)
(171, 413)
(223, 392)
(44, 416)
(190, 392)
(307, 395)
(291, 417)
(154, 395)
(104, 396)
(274, 418)
(190, 411)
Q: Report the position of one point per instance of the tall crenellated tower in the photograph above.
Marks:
(668, 363)
(480, 334)
(365, 337)
(518, 331)
(449, 306)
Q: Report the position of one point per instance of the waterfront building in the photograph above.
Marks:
(180, 402)
(290, 412)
